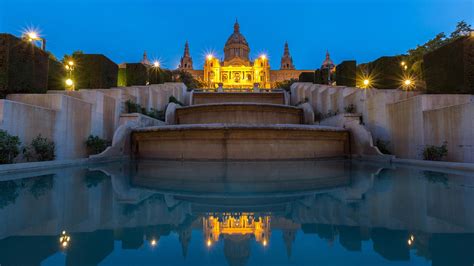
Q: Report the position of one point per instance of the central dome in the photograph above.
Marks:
(236, 45)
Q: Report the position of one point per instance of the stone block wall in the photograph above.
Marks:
(454, 124)
(69, 117)
(406, 119)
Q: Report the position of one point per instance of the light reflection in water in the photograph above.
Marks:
(238, 209)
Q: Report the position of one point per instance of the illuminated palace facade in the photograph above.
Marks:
(237, 70)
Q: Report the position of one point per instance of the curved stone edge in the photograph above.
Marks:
(121, 139)
(361, 139)
(239, 126)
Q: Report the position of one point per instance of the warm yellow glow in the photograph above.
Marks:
(407, 82)
(64, 239)
(405, 67)
(71, 63)
(236, 224)
(153, 242)
(403, 63)
(32, 35)
(156, 63)
(412, 237)
(263, 57)
(209, 56)
(67, 67)
(69, 82)
(366, 82)
(410, 242)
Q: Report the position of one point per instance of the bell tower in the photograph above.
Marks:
(286, 59)
(186, 62)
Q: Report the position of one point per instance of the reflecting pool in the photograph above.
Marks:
(334, 212)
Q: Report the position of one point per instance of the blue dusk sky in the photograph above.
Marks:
(363, 30)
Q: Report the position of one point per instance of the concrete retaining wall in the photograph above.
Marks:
(71, 125)
(408, 120)
(68, 118)
(239, 113)
(220, 142)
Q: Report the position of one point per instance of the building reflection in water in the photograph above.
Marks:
(401, 212)
(232, 225)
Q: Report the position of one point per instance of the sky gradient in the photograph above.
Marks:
(362, 30)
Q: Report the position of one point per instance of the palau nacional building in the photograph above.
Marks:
(237, 69)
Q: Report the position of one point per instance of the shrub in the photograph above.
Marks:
(95, 71)
(137, 108)
(286, 84)
(350, 109)
(96, 145)
(9, 147)
(383, 145)
(435, 153)
(40, 149)
(172, 99)
(346, 73)
(133, 107)
(450, 68)
(306, 77)
(305, 100)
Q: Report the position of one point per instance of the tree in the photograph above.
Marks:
(462, 29)
(188, 79)
(285, 84)
(415, 56)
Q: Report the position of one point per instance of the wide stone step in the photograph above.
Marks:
(247, 97)
(240, 142)
(239, 113)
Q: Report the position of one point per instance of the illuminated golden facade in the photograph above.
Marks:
(243, 224)
(237, 71)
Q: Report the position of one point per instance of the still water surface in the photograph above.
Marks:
(237, 213)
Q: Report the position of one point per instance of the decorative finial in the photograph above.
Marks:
(236, 26)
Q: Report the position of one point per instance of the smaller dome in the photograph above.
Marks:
(327, 63)
(236, 37)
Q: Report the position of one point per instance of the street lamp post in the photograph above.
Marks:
(33, 36)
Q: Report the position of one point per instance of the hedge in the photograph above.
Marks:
(56, 75)
(136, 74)
(95, 71)
(386, 72)
(346, 73)
(23, 67)
(306, 77)
(450, 68)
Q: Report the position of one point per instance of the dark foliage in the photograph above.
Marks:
(23, 67)
(40, 149)
(346, 73)
(9, 147)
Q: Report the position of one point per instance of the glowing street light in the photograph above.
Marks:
(265, 243)
(407, 82)
(209, 56)
(153, 242)
(69, 84)
(209, 243)
(366, 82)
(156, 64)
(64, 239)
(263, 57)
(32, 36)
